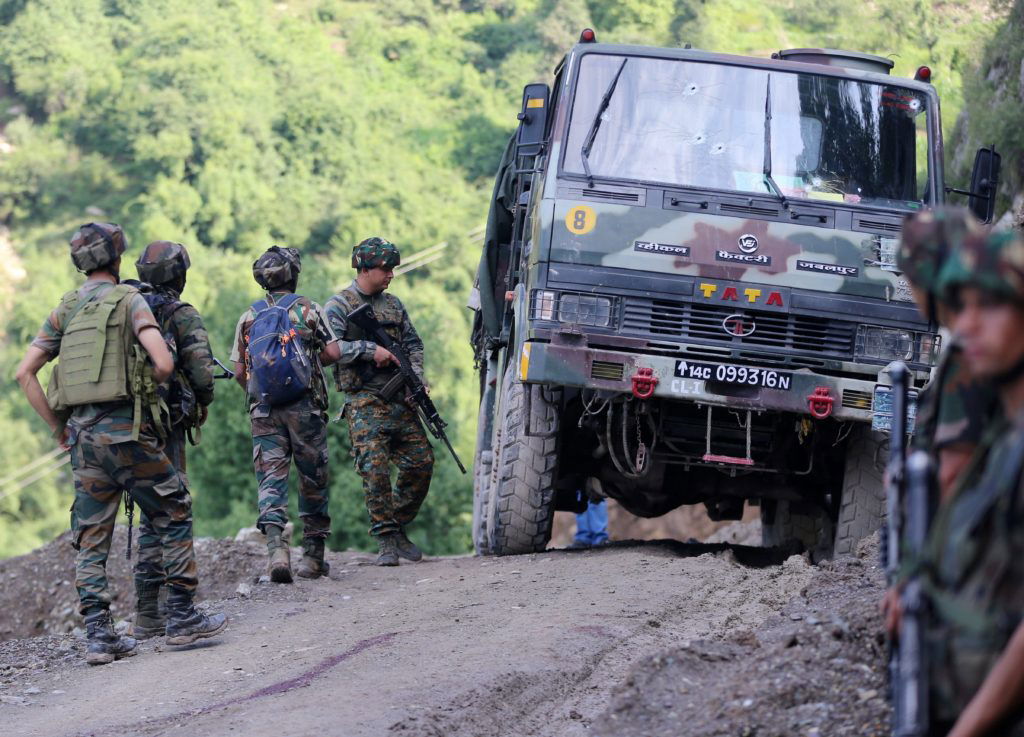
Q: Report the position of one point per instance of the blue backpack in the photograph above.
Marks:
(279, 369)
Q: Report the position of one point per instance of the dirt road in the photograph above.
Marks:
(530, 645)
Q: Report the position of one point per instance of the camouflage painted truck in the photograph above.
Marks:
(688, 291)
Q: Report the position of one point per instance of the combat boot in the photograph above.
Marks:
(406, 548)
(313, 564)
(280, 564)
(105, 645)
(149, 620)
(186, 624)
(388, 550)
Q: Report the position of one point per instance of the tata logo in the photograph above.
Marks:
(751, 295)
(738, 326)
(747, 243)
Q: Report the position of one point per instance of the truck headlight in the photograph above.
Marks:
(584, 309)
(894, 344)
(544, 304)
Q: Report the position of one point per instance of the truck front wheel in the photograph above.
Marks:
(862, 506)
(520, 497)
(785, 523)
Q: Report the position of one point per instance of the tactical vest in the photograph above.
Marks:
(362, 374)
(100, 360)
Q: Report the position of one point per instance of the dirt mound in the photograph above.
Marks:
(815, 669)
(37, 590)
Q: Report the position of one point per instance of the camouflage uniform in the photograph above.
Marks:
(105, 460)
(297, 430)
(382, 430)
(973, 564)
(189, 389)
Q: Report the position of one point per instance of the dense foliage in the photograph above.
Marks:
(233, 124)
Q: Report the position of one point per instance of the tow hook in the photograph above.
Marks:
(820, 403)
(644, 382)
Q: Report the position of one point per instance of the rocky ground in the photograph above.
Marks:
(37, 591)
(629, 639)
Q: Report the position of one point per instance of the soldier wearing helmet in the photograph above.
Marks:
(384, 429)
(973, 565)
(296, 430)
(94, 407)
(162, 271)
(955, 407)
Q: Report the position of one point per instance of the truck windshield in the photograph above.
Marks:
(696, 124)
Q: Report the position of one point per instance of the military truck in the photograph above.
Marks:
(688, 290)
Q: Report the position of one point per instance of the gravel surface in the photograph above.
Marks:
(816, 669)
(629, 639)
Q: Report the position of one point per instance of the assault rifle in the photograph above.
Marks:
(895, 472)
(907, 512)
(910, 682)
(364, 318)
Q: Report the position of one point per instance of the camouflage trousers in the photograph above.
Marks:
(149, 566)
(383, 433)
(101, 472)
(296, 431)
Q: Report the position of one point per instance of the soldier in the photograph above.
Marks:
(294, 430)
(954, 407)
(162, 268)
(973, 567)
(102, 387)
(383, 428)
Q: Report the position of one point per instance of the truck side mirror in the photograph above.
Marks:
(984, 182)
(533, 120)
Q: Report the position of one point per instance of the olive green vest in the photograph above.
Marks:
(362, 375)
(100, 360)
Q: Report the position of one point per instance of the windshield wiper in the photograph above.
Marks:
(588, 142)
(769, 180)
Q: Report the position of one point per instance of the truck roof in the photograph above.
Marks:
(831, 70)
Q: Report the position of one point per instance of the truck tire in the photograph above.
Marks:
(520, 503)
(811, 529)
(482, 463)
(862, 504)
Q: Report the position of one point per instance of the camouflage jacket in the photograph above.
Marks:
(311, 326)
(974, 568)
(356, 369)
(108, 423)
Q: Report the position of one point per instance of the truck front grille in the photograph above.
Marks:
(778, 332)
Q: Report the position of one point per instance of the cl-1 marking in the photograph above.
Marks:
(687, 386)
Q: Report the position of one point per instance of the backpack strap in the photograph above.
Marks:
(288, 300)
(107, 306)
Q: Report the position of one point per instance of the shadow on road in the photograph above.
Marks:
(748, 555)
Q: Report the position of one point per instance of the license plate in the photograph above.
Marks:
(726, 373)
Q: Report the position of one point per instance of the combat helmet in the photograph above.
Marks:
(375, 252)
(162, 262)
(277, 267)
(994, 264)
(928, 238)
(95, 245)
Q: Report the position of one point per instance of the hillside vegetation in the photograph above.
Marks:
(230, 125)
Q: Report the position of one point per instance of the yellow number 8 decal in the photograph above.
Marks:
(581, 219)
